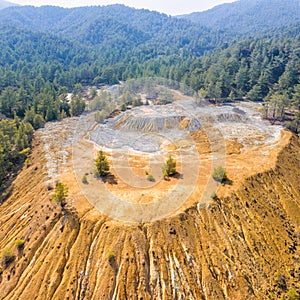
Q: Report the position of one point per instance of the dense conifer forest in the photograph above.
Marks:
(49, 51)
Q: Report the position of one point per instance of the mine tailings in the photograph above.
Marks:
(243, 246)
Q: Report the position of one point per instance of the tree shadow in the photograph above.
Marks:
(227, 181)
(177, 175)
(7, 186)
(110, 179)
(20, 251)
(7, 260)
(69, 214)
(6, 192)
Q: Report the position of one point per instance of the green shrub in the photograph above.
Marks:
(213, 195)
(281, 281)
(7, 257)
(292, 294)
(111, 256)
(150, 178)
(169, 168)
(100, 116)
(102, 164)
(27, 162)
(61, 193)
(19, 243)
(84, 180)
(219, 174)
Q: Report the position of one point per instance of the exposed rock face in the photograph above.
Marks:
(143, 128)
(243, 246)
(158, 120)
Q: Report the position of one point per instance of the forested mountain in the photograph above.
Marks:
(248, 50)
(248, 16)
(258, 69)
(49, 49)
(46, 52)
(111, 27)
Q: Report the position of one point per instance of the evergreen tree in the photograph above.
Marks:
(169, 168)
(61, 194)
(219, 174)
(102, 164)
(77, 106)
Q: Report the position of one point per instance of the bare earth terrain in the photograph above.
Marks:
(186, 238)
(197, 136)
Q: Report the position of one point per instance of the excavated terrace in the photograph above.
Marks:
(137, 142)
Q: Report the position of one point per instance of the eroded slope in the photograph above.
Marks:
(242, 246)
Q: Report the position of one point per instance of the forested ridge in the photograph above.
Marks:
(115, 26)
(15, 141)
(248, 17)
(49, 51)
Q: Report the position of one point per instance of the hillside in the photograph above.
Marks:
(110, 27)
(145, 88)
(248, 16)
(49, 51)
(243, 244)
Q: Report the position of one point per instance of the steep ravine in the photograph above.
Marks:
(245, 246)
